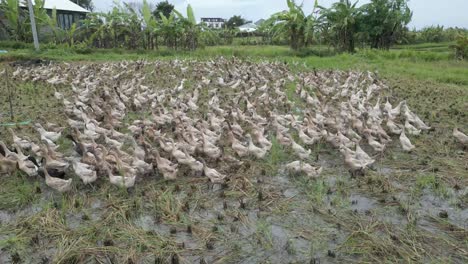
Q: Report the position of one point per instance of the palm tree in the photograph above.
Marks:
(294, 24)
(342, 20)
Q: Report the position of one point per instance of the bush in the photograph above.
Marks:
(461, 47)
(82, 48)
(8, 44)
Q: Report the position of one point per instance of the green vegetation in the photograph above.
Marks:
(422, 62)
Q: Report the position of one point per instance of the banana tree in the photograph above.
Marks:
(151, 27)
(294, 24)
(342, 19)
(170, 29)
(191, 30)
(15, 20)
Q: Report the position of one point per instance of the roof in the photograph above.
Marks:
(64, 5)
(248, 25)
(215, 19)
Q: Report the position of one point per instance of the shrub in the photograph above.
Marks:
(461, 47)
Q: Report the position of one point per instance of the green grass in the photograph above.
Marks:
(17, 191)
(417, 61)
(435, 87)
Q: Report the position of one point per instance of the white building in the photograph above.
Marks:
(249, 27)
(214, 22)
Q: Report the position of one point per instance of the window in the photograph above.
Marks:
(61, 22)
(67, 23)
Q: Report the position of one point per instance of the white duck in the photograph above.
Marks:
(166, 167)
(462, 138)
(51, 136)
(87, 173)
(405, 142)
(411, 129)
(254, 150)
(23, 143)
(57, 183)
(299, 150)
(213, 175)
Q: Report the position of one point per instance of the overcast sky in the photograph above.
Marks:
(449, 13)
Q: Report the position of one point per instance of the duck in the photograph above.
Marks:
(138, 151)
(395, 112)
(210, 149)
(6, 152)
(53, 164)
(48, 135)
(394, 129)
(282, 139)
(213, 175)
(87, 173)
(7, 166)
(377, 146)
(236, 145)
(462, 138)
(304, 137)
(294, 166)
(411, 129)
(261, 139)
(121, 181)
(299, 150)
(57, 184)
(259, 153)
(302, 167)
(311, 171)
(413, 118)
(166, 167)
(405, 142)
(362, 155)
(354, 164)
(22, 143)
(25, 164)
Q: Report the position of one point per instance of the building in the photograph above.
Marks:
(249, 27)
(67, 12)
(214, 22)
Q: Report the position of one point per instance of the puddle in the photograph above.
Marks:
(361, 204)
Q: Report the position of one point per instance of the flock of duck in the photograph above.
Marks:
(203, 118)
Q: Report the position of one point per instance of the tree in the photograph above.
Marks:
(86, 4)
(294, 24)
(235, 21)
(342, 19)
(18, 23)
(385, 21)
(163, 7)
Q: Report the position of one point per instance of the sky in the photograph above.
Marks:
(448, 13)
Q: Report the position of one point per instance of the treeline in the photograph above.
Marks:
(433, 34)
(344, 26)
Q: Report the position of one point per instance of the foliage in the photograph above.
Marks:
(163, 7)
(385, 21)
(18, 23)
(235, 22)
(342, 20)
(293, 23)
(461, 47)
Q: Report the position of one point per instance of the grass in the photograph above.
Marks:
(17, 191)
(429, 65)
(395, 229)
